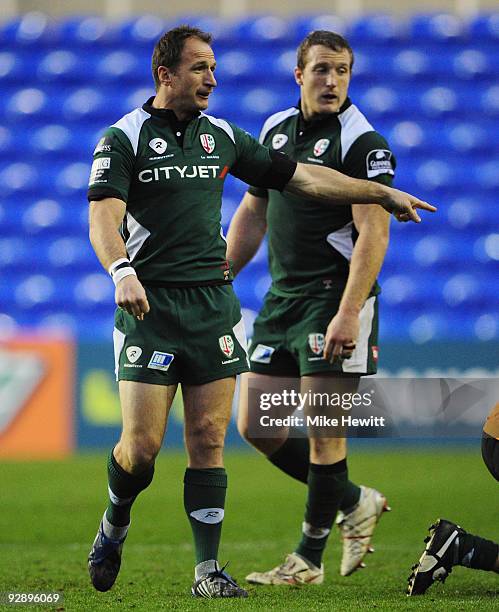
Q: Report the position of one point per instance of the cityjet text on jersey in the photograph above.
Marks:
(184, 172)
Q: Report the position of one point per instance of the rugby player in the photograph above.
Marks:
(319, 320)
(158, 174)
(447, 544)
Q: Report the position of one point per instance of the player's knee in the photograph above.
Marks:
(205, 439)
(139, 453)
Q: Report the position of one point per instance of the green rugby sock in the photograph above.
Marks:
(123, 490)
(326, 487)
(204, 502)
(293, 458)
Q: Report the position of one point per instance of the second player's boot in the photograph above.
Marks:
(357, 528)
(295, 571)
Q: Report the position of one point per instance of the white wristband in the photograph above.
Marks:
(117, 263)
(121, 273)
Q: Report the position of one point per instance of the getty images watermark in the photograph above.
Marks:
(370, 407)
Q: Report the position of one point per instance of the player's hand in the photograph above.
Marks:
(341, 336)
(130, 295)
(403, 205)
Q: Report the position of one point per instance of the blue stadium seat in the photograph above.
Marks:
(32, 29)
(486, 250)
(14, 66)
(304, 24)
(141, 31)
(437, 27)
(486, 326)
(93, 291)
(469, 212)
(124, 67)
(49, 217)
(485, 27)
(63, 66)
(489, 101)
(268, 30)
(378, 28)
(473, 64)
(87, 31)
(92, 103)
(28, 103)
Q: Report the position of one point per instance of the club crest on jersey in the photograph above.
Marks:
(279, 140)
(207, 142)
(321, 146)
(226, 345)
(158, 145)
(316, 343)
(133, 353)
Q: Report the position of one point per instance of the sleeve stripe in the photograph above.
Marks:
(222, 124)
(275, 119)
(131, 124)
(353, 125)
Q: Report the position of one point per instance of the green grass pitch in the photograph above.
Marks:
(50, 512)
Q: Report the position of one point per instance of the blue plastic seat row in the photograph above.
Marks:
(129, 67)
(36, 29)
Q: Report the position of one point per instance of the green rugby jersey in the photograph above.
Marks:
(310, 245)
(172, 183)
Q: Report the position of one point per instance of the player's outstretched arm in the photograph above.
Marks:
(332, 187)
(246, 231)
(105, 218)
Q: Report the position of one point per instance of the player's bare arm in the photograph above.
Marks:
(373, 225)
(246, 231)
(105, 218)
(331, 186)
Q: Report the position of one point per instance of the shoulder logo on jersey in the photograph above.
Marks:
(207, 142)
(133, 353)
(321, 146)
(158, 145)
(379, 161)
(160, 361)
(100, 170)
(262, 353)
(316, 343)
(104, 145)
(226, 345)
(279, 140)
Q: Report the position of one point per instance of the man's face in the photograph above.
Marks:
(193, 80)
(324, 81)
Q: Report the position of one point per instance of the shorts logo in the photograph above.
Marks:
(226, 345)
(133, 353)
(262, 353)
(321, 146)
(160, 361)
(316, 343)
(279, 140)
(375, 351)
(379, 161)
(207, 142)
(158, 145)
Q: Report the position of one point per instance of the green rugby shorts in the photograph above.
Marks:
(191, 335)
(288, 337)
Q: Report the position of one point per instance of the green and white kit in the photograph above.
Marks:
(170, 175)
(310, 245)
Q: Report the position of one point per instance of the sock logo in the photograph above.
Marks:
(211, 516)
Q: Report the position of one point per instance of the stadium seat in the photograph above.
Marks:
(437, 27)
(268, 30)
(13, 67)
(485, 27)
(87, 31)
(63, 66)
(379, 29)
(304, 24)
(33, 29)
(140, 32)
(489, 101)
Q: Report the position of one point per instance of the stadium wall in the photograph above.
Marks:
(177, 7)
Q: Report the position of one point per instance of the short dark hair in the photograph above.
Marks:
(168, 50)
(334, 41)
